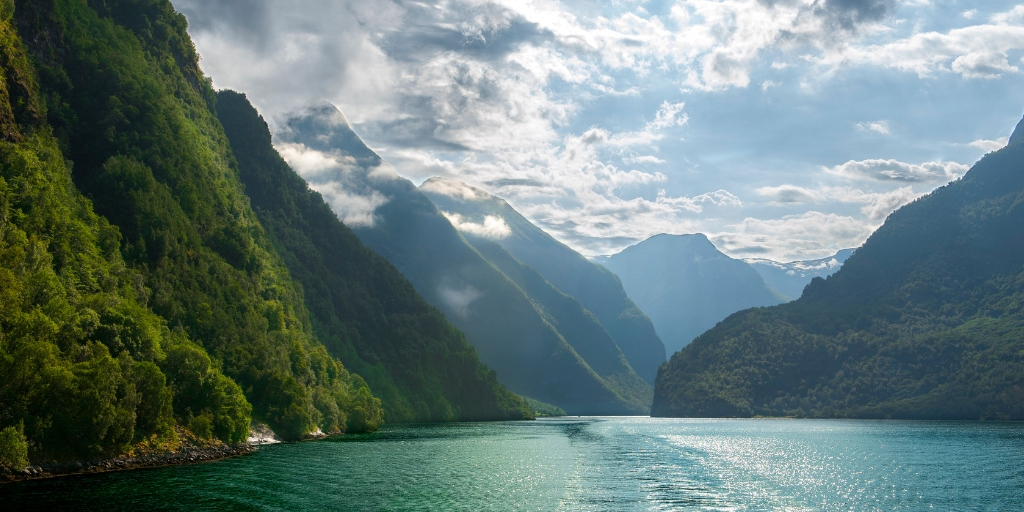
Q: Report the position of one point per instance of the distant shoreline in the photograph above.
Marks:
(187, 455)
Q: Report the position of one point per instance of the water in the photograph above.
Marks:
(588, 464)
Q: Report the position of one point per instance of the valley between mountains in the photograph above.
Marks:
(176, 272)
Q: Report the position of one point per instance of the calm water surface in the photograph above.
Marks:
(588, 464)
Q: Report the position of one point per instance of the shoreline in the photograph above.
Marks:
(187, 455)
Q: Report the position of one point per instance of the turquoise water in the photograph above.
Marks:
(588, 464)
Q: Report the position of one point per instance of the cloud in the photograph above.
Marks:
(792, 237)
(643, 159)
(353, 209)
(877, 205)
(979, 51)
(341, 180)
(492, 227)
(453, 188)
(990, 145)
(458, 298)
(667, 116)
(880, 205)
(881, 127)
(505, 93)
(894, 170)
(1012, 16)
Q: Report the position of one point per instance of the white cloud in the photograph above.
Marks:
(877, 205)
(340, 180)
(491, 91)
(810, 234)
(643, 159)
(894, 170)
(978, 51)
(969, 14)
(458, 299)
(492, 227)
(454, 188)
(881, 127)
(1012, 16)
(353, 209)
(990, 145)
(668, 115)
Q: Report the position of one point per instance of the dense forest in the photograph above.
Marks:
(138, 292)
(925, 320)
(362, 308)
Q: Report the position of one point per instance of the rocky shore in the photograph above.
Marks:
(190, 453)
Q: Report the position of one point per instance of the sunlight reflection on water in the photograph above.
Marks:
(590, 464)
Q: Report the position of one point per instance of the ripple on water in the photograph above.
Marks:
(588, 464)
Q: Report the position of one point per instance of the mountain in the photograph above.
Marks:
(686, 285)
(925, 320)
(598, 290)
(361, 307)
(790, 278)
(140, 294)
(512, 334)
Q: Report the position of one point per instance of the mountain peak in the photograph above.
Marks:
(686, 243)
(323, 127)
(1018, 132)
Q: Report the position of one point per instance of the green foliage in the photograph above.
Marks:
(13, 448)
(363, 309)
(67, 302)
(926, 320)
(204, 396)
(130, 108)
(543, 410)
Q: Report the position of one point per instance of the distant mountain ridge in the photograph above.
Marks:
(925, 320)
(790, 278)
(686, 285)
(481, 215)
(512, 334)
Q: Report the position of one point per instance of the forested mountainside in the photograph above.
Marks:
(362, 308)
(159, 300)
(791, 278)
(925, 320)
(596, 289)
(511, 333)
(686, 285)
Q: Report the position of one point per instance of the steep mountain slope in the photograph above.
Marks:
(362, 308)
(130, 110)
(509, 331)
(686, 285)
(790, 278)
(925, 320)
(596, 289)
(574, 323)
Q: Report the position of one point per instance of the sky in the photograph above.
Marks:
(782, 129)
